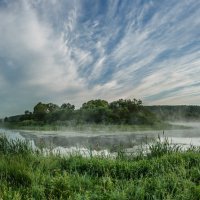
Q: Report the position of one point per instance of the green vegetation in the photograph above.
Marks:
(94, 112)
(166, 172)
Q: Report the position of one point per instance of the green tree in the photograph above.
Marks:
(42, 110)
(67, 106)
(95, 111)
(94, 104)
(126, 111)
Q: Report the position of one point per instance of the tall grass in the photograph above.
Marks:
(165, 172)
(14, 146)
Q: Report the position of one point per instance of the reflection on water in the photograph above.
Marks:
(96, 142)
(100, 143)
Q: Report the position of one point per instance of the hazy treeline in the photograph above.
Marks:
(94, 111)
(176, 112)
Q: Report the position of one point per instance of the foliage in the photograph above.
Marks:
(120, 112)
(165, 173)
(93, 112)
(14, 146)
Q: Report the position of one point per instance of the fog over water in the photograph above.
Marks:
(102, 143)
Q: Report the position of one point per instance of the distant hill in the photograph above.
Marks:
(176, 112)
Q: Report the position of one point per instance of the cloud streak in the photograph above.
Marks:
(74, 51)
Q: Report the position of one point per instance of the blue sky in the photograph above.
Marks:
(76, 50)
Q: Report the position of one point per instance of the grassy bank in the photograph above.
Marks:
(166, 172)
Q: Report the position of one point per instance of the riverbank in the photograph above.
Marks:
(93, 127)
(165, 172)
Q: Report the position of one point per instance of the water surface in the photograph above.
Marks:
(100, 142)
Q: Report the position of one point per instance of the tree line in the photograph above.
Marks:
(122, 111)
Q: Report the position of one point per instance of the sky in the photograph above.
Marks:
(73, 51)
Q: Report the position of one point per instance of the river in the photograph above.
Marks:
(103, 143)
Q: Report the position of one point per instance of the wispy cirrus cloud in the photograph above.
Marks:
(79, 50)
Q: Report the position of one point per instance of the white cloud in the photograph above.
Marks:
(52, 49)
(40, 58)
(139, 49)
